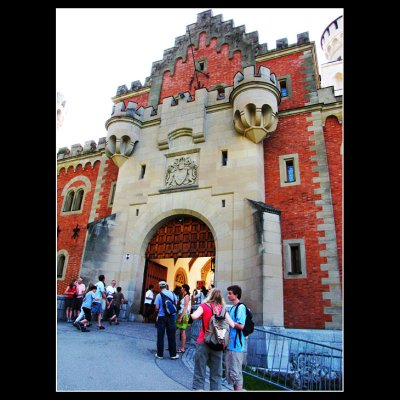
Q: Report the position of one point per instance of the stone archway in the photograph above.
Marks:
(181, 236)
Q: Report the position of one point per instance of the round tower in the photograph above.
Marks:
(255, 100)
(332, 46)
(123, 131)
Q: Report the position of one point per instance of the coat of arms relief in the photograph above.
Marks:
(181, 172)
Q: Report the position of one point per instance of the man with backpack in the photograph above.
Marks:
(165, 304)
(234, 353)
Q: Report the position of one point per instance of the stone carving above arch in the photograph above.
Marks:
(181, 170)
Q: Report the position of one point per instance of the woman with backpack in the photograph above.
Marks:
(213, 304)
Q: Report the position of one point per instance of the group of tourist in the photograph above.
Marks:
(98, 302)
(212, 303)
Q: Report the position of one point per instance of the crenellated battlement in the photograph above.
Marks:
(77, 149)
(224, 32)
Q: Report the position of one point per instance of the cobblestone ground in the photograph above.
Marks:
(120, 358)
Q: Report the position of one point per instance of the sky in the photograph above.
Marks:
(99, 49)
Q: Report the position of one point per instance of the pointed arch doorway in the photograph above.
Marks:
(181, 251)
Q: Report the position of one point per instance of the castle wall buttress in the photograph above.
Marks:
(334, 143)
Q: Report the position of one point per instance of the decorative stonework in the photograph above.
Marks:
(180, 172)
(255, 100)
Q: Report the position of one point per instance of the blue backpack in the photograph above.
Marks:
(169, 306)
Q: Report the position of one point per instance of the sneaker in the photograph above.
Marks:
(117, 323)
(77, 325)
(84, 329)
(110, 322)
(101, 327)
(175, 357)
(157, 356)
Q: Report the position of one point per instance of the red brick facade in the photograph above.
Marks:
(217, 64)
(67, 222)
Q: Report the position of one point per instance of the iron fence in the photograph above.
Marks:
(291, 363)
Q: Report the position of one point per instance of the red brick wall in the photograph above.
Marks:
(110, 176)
(67, 223)
(333, 141)
(292, 65)
(303, 303)
(220, 68)
(142, 100)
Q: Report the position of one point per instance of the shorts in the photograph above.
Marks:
(77, 303)
(96, 308)
(183, 325)
(88, 313)
(69, 302)
(233, 367)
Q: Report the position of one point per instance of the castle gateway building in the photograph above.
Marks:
(225, 167)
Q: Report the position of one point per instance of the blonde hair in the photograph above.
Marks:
(215, 296)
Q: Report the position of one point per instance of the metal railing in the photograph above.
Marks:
(291, 363)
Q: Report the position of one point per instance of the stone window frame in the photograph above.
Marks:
(287, 258)
(85, 185)
(112, 194)
(66, 257)
(76, 190)
(288, 80)
(282, 169)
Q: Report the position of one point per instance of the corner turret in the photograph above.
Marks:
(255, 100)
(123, 130)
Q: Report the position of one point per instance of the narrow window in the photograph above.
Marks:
(114, 184)
(289, 170)
(295, 259)
(224, 157)
(142, 171)
(60, 265)
(223, 203)
(69, 200)
(137, 212)
(221, 92)
(202, 65)
(78, 200)
(290, 176)
(283, 87)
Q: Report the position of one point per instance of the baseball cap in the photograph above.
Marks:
(162, 284)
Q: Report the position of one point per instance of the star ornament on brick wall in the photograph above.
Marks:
(76, 232)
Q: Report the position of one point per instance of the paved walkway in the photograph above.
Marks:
(120, 358)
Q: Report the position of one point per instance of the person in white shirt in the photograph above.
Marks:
(148, 304)
(110, 291)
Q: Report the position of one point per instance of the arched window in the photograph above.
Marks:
(78, 200)
(60, 265)
(69, 200)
